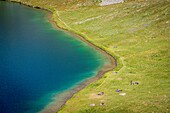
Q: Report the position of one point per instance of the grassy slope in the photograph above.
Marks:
(59, 4)
(140, 32)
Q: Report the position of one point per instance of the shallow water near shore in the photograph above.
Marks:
(37, 61)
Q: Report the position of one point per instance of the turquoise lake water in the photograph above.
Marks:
(37, 61)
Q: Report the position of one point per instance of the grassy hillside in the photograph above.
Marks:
(137, 34)
(59, 4)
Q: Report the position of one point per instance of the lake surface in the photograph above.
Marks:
(37, 61)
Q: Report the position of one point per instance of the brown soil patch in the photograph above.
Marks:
(95, 96)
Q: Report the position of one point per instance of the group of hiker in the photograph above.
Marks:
(117, 90)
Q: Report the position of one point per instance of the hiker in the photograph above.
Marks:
(131, 82)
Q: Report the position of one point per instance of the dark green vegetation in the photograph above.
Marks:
(137, 34)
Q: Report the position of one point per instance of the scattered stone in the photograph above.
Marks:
(102, 104)
(92, 104)
(122, 94)
(119, 79)
(36, 7)
(100, 93)
(114, 46)
(115, 72)
(109, 2)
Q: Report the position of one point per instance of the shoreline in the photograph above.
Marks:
(66, 95)
(70, 92)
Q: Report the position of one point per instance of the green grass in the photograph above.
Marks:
(140, 32)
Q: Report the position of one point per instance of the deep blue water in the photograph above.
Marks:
(37, 61)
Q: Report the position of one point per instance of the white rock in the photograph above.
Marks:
(92, 104)
(122, 94)
(108, 2)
